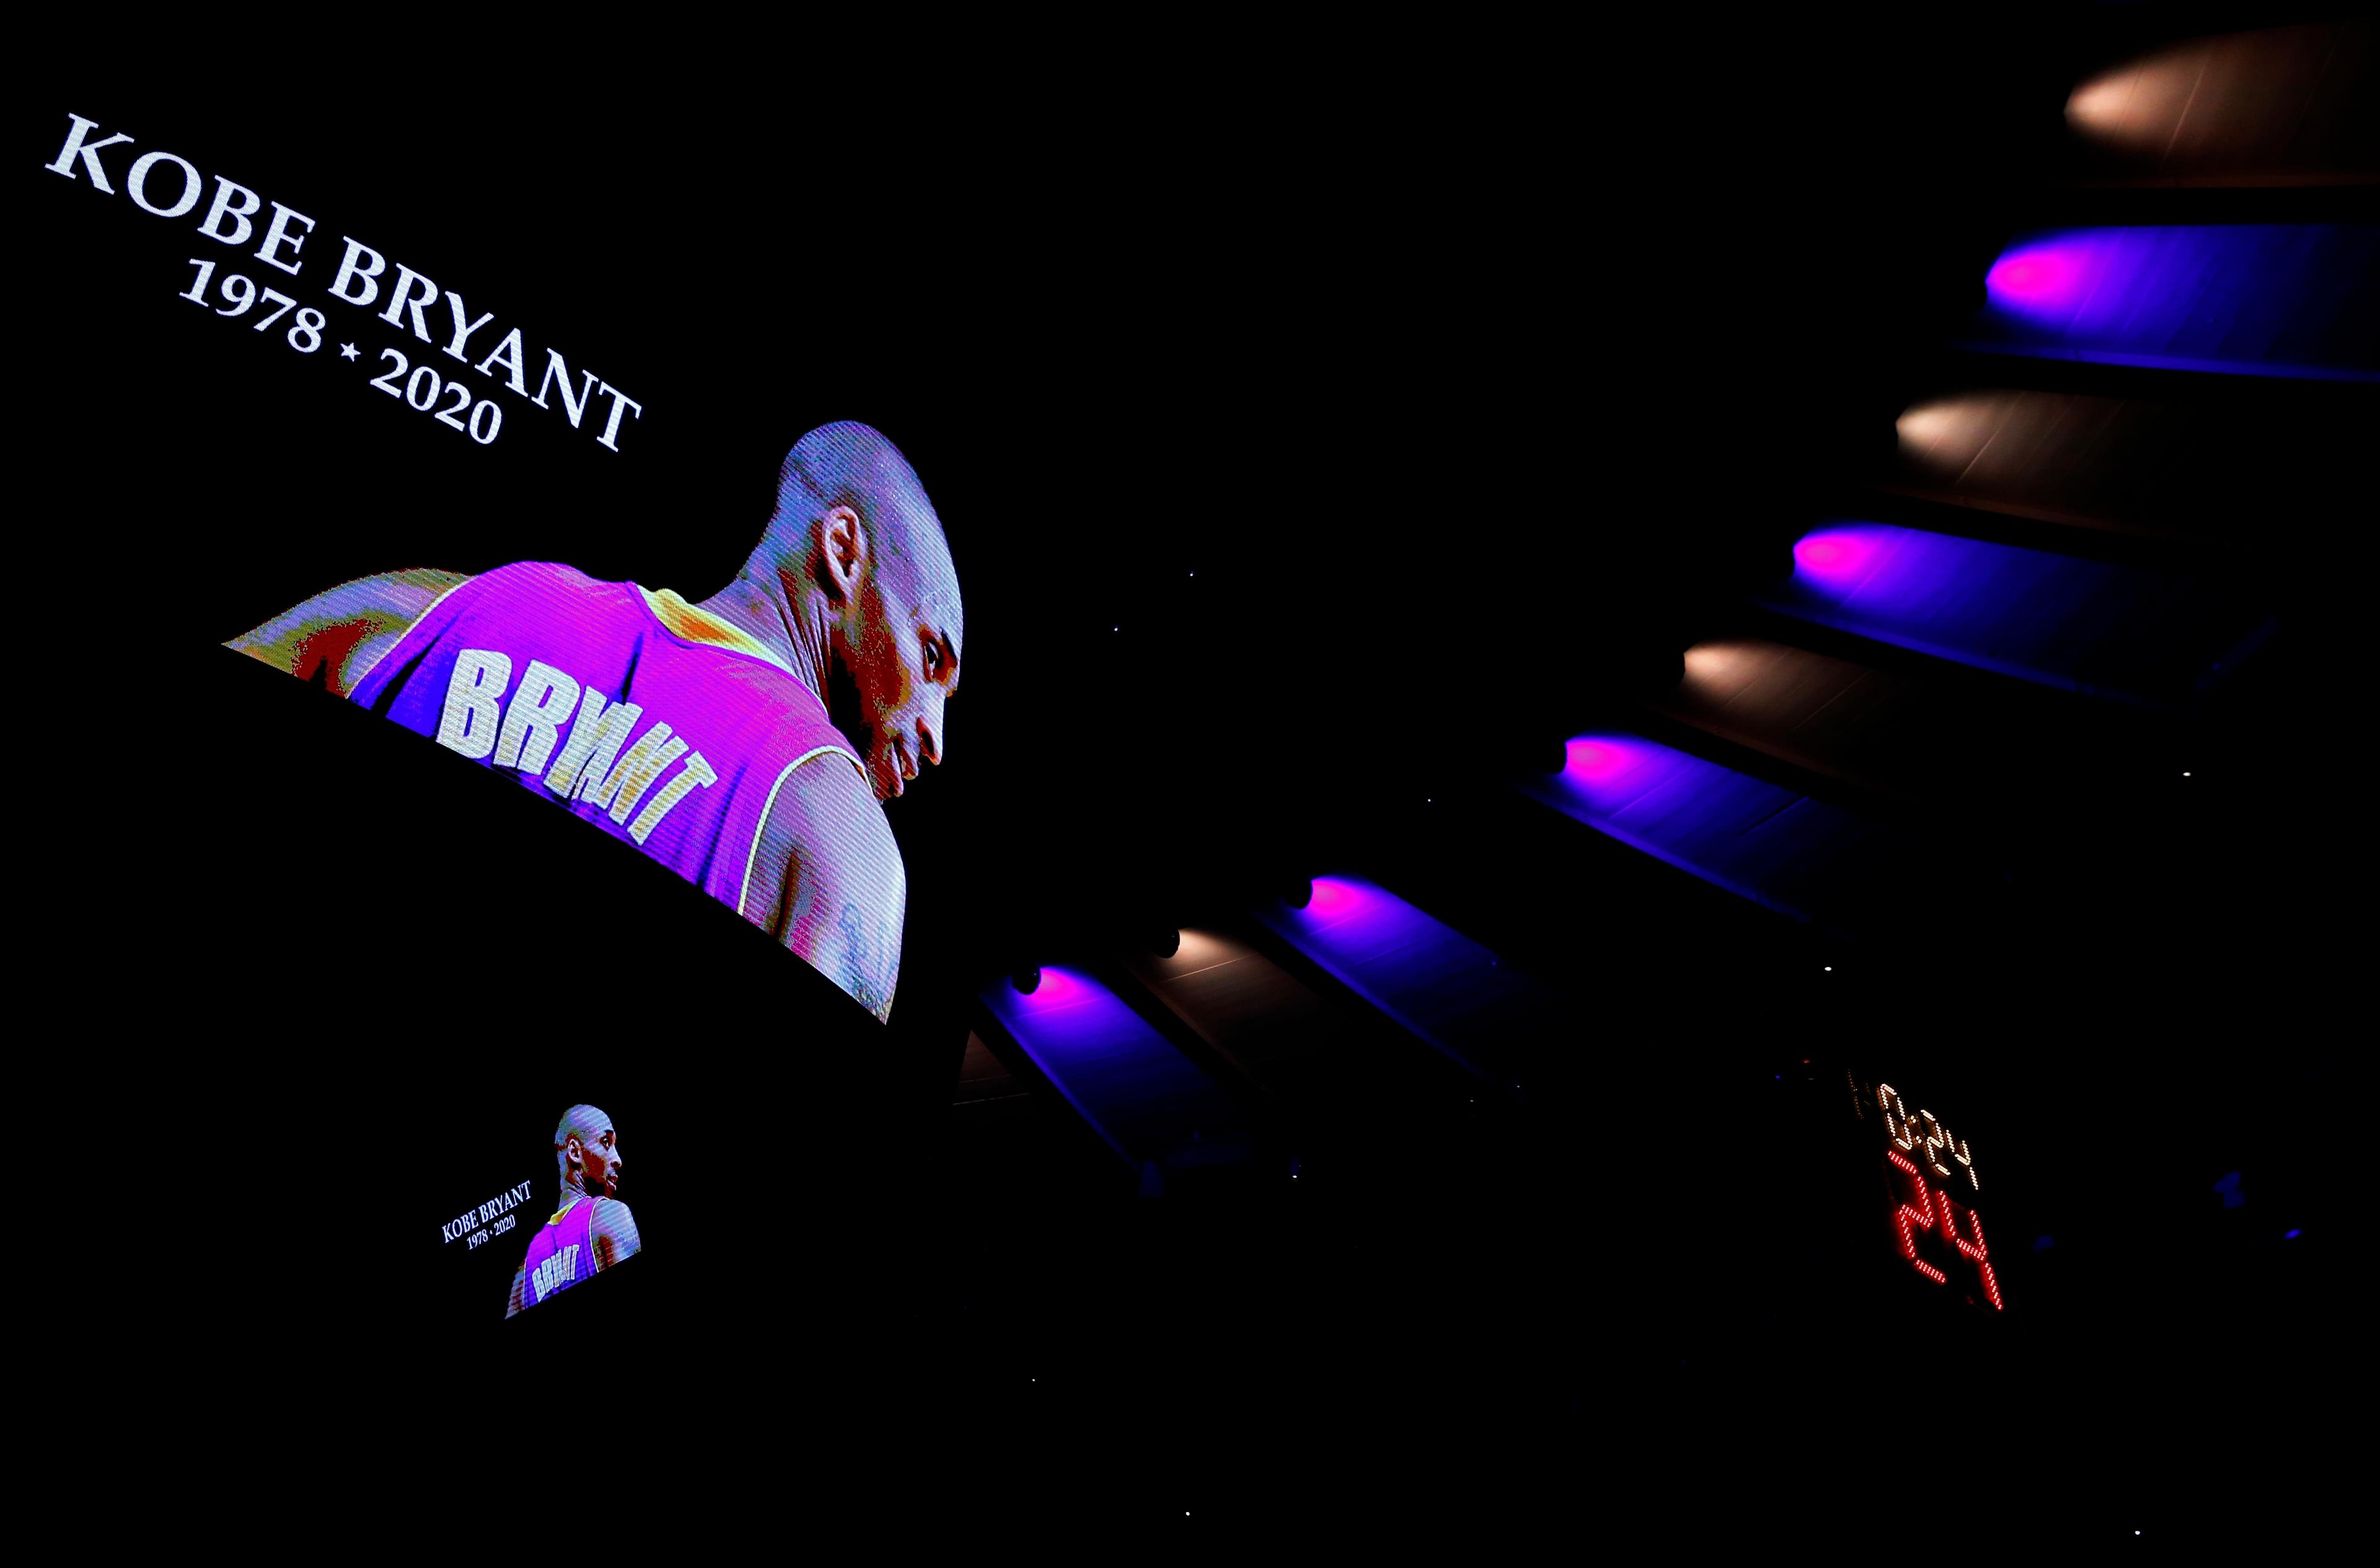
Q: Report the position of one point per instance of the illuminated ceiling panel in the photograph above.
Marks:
(2271, 107)
(1148, 1101)
(2272, 299)
(2141, 637)
(1781, 849)
(1251, 1010)
(1829, 716)
(1430, 979)
(2129, 463)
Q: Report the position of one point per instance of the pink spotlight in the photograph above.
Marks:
(1059, 988)
(1333, 899)
(2032, 277)
(1836, 558)
(1596, 759)
(2045, 279)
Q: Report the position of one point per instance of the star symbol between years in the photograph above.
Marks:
(347, 350)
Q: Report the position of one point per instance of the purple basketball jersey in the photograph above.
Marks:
(560, 1255)
(663, 725)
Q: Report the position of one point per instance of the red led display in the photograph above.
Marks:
(1976, 1252)
(1916, 1146)
(1922, 1215)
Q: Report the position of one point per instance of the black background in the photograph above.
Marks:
(1419, 360)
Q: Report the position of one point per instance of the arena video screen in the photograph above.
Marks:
(534, 1197)
(695, 731)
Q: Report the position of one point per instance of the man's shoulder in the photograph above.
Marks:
(825, 798)
(548, 577)
(519, 588)
(615, 1222)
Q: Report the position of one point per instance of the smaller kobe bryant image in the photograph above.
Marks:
(590, 1230)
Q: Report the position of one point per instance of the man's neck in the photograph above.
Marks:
(755, 603)
(571, 1193)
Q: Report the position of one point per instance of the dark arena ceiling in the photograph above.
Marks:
(1579, 644)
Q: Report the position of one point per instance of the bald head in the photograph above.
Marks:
(587, 1151)
(847, 464)
(854, 534)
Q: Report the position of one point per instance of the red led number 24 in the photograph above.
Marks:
(1924, 1210)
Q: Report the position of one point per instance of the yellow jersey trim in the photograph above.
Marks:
(752, 858)
(698, 624)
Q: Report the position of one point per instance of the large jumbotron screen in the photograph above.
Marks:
(1209, 807)
(620, 648)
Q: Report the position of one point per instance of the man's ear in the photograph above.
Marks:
(843, 550)
(572, 1152)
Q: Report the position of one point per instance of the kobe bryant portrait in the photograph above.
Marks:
(697, 733)
(592, 1230)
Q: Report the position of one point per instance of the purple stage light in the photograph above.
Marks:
(1059, 988)
(1596, 758)
(2120, 631)
(1605, 770)
(1144, 1097)
(1338, 899)
(1332, 899)
(2268, 299)
(1756, 839)
(1438, 984)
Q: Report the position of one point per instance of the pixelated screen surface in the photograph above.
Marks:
(697, 734)
(492, 526)
(530, 1195)
(592, 1230)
